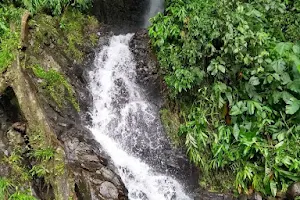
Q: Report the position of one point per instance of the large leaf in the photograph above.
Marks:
(278, 66)
(254, 81)
(294, 86)
(283, 47)
(273, 187)
(293, 106)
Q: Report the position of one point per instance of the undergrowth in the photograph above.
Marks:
(10, 20)
(233, 68)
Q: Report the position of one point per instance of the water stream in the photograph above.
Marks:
(127, 125)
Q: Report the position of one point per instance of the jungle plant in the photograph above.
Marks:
(233, 67)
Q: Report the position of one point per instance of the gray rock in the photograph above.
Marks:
(106, 173)
(108, 190)
(293, 191)
(256, 196)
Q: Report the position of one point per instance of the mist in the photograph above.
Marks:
(155, 6)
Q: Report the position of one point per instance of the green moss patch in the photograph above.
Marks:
(56, 85)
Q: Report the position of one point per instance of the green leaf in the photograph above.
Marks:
(235, 110)
(254, 81)
(296, 49)
(236, 131)
(273, 187)
(278, 66)
(293, 106)
(221, 68)
(250, 106)
(282, 47)
(294, 86)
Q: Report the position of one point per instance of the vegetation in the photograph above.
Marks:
(10, 21)
(56, 85)
(232, 67)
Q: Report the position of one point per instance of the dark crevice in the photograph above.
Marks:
(43, 190)
(9, 107)
(78, 194)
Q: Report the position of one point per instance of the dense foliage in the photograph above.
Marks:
(55, 7)
(10, 21)
(233, 68)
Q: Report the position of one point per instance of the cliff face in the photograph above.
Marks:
(45, 146)
(122, 13)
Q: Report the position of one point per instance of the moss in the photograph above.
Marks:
(218, 181)
(75, 30)
(56, 85)
(45, 29)
(171, 125)
(70, 32)
(94, 39)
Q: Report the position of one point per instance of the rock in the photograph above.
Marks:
(256, 196)
(15, 138)
(293, 191)
(107, 173)
(20, 127)
(121, 13)
(146, 64)
(108, 190)
(243, 197)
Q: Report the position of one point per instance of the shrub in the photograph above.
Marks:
(234, 68)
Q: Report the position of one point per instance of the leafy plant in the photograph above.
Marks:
(233, 67)
(55, 7)
(5, 185)
(44, 154)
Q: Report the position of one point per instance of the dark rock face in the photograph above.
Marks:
(146, 65)
(122, 13)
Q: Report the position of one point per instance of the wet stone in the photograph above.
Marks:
(106, 173)
(108, 190)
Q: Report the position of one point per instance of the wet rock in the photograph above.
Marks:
(257, 196)
(108, 190)
(293, 191)
(106, 173)
(146, 66)
(122, 13)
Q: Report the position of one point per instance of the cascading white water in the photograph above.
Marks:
(121, 116)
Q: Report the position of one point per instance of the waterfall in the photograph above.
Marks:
(155, 7)
(127, 125)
